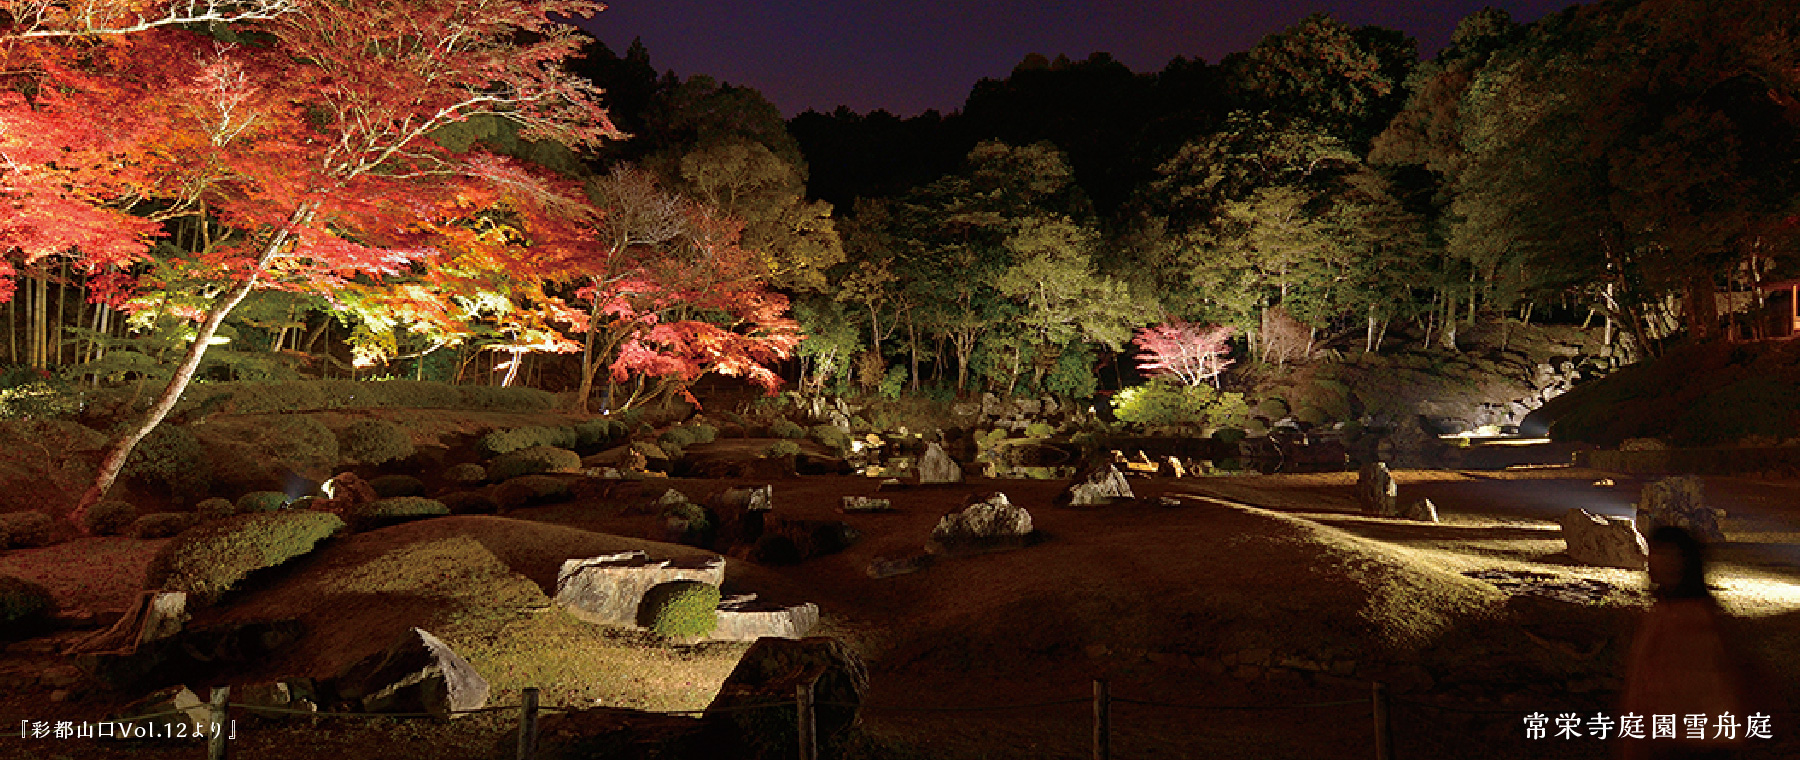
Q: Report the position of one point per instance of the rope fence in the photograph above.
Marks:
(218, 708)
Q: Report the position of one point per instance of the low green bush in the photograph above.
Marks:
(1273, 408)
(161, 525)
(260, 501)
(1229, 435)
(831, 436)
(466, 474)
(469, 503)
(785, 428)
(23, 530)
(397, 509)
(680, 609)
(171, 457)
(530, 490)
(510, 398)
(215, 508)
(24, 604)
(533, 460)
(109, 517)
(703, 433)
(515, 439)
(300, 442)
(374, 442)
(782, 449)
(41, 400)
(207, 561)
(390, 486)
(1039, 430)
(597, 432)
(675, 437)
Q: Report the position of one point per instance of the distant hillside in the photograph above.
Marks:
(1707, 395)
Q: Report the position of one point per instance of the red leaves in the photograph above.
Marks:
(1188, 352)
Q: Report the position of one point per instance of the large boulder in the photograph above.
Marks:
(608, 589)
(1100, 487)
(1678, 501)
(770, 672)
(747, 618)
(989, 522)
(417, 674)
(1603, 541)
(1376, 490)
(937, 466)
(1421, 510)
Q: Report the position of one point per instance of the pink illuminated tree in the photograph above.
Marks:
(1185, 351)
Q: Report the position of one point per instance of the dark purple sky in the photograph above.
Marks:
(910, 56)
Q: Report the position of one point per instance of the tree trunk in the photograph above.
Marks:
(114, 459)
(1702, 308)
(1449, 329)
(587, 358)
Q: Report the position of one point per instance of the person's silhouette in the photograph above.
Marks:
(1680, 665)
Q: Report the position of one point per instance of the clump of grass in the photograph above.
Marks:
(680, 609)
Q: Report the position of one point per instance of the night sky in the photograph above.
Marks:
(910, 56)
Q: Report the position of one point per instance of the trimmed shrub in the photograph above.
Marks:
(172, 457)
(260, 501)
(782, 449)
(374, 442)
(466, 474)
(1229, 435)
(703, 433)
(597, 432)
(512, 398)
(397, 509)
(469, 503)
(516, 439)
(680, 608)
(207, 561)
(215, 508)
(831, 436)
(109, 517)
(1273, 408)
(673, 451)
(23, 530)
(161, 525)
(533, 460)
(529, 490)
(390, 486)
(301, 442)
(784, 428)
(23, 604)
(675, 438)
(1039, 430)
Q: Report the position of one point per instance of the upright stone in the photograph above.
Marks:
(937, 466)
(1376, 490)
(1100, 487)
(1603, 541)
(1421, 510)
(1678, 501)
(990, 523)
(417, 674)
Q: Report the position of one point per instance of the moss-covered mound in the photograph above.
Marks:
(516, 439)
(260, 501)
(207, 561)
(374, 442)
(161, 525)
(110, 517)
(680, 609)
(1709, 395)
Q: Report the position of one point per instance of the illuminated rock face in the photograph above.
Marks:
(419, 673)
(937, 467)
(1376, 490)
(1678, 501)
(608, 589)
(1100, 488)
(1604, 541)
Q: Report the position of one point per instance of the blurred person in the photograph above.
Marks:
(1681, 663)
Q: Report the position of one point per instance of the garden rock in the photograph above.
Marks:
(937, 466)
(418, 673)
(1678, 501)
(1603, 541)
(746, 618)
(345, 492)
(1421, 510)
(1100, 487)
(887, 568)
(992, 522)
(608, 589)
(189, 711)
(770, 672)
(865, 504)
(1376, 490)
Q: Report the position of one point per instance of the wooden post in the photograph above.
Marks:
(1384, 738)
(528, 715)
(1102, 720)
(215, 742)
(803, 699)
